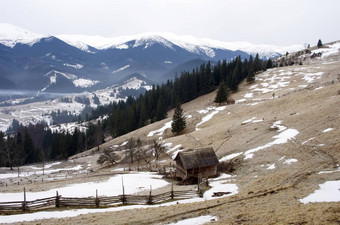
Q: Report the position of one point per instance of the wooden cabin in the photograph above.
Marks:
(196, 162)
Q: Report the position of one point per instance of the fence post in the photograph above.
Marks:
(97, 199)
(172, 191)
(24, 206)
(150, 196)
(123, 197)
(200, 194)
(57, 200)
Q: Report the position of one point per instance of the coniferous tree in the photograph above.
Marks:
(2, 149)
(257, 64)
(269, 64)
(29, 148)
(160, 109)
(7, 151)
(20, 156)
(251, 75)
(178, 120)
(222, 94)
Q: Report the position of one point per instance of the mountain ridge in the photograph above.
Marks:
(25, 57)
(188, 42)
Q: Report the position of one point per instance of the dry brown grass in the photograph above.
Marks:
(265, 196)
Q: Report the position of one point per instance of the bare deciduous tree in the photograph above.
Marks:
(108, 156)
(158, 149)
(132, 147)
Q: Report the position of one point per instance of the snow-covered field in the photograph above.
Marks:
(133, 182)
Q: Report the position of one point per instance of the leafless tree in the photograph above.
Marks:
(132, 147)
(157, 148)
(108, 156)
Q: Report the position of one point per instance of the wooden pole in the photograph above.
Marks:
(150, 196)
(199, 189)
(57, 200)
(24, 204)
(97, 199)
(123, 198)
(172, 190)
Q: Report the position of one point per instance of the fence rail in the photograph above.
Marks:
(59, 201)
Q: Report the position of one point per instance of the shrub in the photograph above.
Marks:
(228, 166)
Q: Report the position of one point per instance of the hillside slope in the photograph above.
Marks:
(284, 130)
(272, 182)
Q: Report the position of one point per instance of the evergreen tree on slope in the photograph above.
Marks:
(222, 94)
(178, 119)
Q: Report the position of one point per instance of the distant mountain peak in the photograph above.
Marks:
(10, 35)
(148, 41)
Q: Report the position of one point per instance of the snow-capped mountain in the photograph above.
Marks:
(97, 62)
(11, 35)
(187, 42)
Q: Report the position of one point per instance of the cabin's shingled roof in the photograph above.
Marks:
(197, 158)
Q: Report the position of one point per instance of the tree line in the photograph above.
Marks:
(126, 116)
(36, 143)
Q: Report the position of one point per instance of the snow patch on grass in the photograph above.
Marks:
(328, 50)
(271, 167)
(174, 150)
(330, 171)
(277, 125)
(161, 130)
(220, 186)
(40, 172)
(248, 95)
(281, 138)
(196, 221)
(209, 116)
(231, 156)
(327, 130)
(253, 120)
(310, 77)
(307, 141)
(328, 192)
(290, 161)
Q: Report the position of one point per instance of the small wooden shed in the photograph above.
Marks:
(196, 162)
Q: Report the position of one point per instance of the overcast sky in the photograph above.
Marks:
(278, 22)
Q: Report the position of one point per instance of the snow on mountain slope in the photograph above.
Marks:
(121, 68)
(77, 41)
(84, 83)
(187, 42)
(11, 35)
(78, 82)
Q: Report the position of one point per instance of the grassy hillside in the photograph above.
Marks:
(284, 131)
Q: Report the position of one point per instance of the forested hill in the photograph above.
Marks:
(36, 143)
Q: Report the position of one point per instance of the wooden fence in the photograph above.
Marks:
(104, 201)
